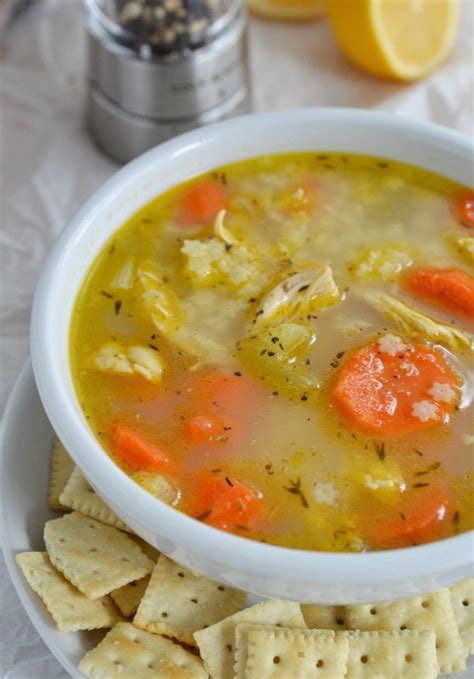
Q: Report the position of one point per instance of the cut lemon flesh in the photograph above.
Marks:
(401, 39)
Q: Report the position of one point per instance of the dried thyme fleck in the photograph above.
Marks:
(295, 489)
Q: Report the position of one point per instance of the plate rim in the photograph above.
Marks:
(25, 380)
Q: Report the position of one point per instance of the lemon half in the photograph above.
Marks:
(401, 39)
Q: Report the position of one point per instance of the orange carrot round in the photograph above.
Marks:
(204, 429)
(392, 388)
(226, 394)
(217, 406)
(201, 202)
(225, 503)
(463, 209)
(136, 452)
(418, 517)
(451, 288)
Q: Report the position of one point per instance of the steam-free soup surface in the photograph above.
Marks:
(282, 349)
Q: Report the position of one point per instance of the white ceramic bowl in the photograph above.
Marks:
(259, 568)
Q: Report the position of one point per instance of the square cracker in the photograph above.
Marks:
(178, 602)
(130, 653)
(129, 596)
(318, 616)
(430, 611)
(79, 495)
(267, 652)
(96, 558)
(60, 471)
(146, 548)
(407, 654)
(462, 599)
(217, 643)
(70, 610)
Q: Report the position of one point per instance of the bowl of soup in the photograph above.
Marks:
(256, 342)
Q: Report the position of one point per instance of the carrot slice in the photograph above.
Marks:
(226, 503)
(205, 428)
(392, 388)
(463, 209)
(451, 288)
(225, 394)
(217, 406)
(418, 518)
(201, 202)
(135, 451)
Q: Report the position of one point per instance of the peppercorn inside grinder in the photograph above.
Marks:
(159, 68)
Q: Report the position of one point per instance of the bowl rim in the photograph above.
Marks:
(262, 558)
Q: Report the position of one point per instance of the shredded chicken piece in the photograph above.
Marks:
(160, 300)
(413, 322)
(300, 293)
(220, 231)
(115, 358)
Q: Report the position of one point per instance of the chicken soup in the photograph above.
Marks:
(283, 349)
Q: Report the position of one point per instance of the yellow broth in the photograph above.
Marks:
(320, 481)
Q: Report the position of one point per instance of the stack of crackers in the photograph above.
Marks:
(167, 622)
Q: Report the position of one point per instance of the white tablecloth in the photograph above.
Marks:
(49, 166)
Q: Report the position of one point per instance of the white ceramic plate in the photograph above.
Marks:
(26, 447)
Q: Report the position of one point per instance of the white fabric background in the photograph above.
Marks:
(49, 166)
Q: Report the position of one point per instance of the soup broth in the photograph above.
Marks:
(282, 349)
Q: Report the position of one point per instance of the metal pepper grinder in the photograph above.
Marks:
(160, 67)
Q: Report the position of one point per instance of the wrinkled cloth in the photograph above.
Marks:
(49, 166)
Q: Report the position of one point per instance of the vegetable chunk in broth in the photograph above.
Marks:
(283, 349)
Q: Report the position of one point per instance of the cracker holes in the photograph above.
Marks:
(61, 540)
(91, 525)
(425, 604)
(92, 549)
(164, 614)
(276, 660)
(117, 661)
(221, 588)
(373, 611)
(339, 621)
(229, 647)
(150, 665)
(364, 659)
(195, 601)
(402, 627)
(320, 663)
(408, 658)
(123, 558)
(180, 574)
(466, 602)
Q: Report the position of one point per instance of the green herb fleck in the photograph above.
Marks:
(205, 515)
(380, 450)
(295, 489)
(433, 467)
